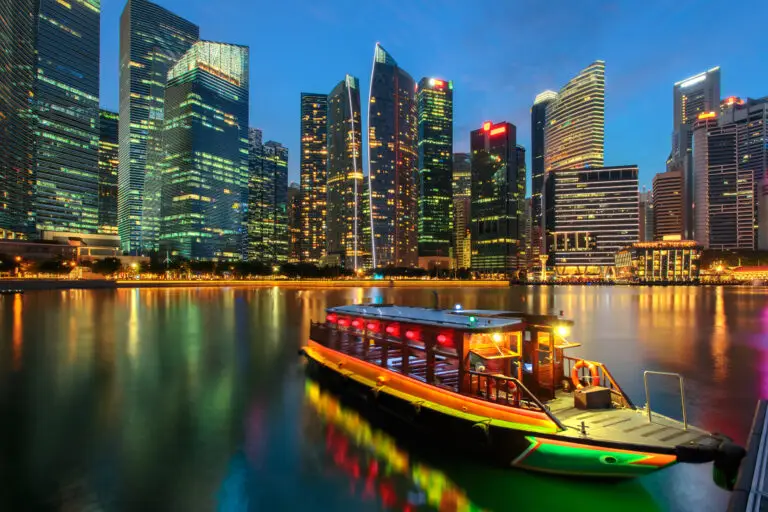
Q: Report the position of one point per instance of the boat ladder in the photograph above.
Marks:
(648, 394)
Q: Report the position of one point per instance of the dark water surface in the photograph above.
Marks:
(195, 399)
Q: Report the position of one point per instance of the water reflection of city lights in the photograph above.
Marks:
(347, 428)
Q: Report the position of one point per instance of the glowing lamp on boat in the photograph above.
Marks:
(372, 326)
(444, 340)
(457, 307)
(393, 329)
(331, 318)
(411, 335)
(343, 322)
(355, 323)
(563, 330)
(496, 337)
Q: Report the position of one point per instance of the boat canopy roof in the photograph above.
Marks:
(457, 319)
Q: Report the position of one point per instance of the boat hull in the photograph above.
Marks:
(481, 430)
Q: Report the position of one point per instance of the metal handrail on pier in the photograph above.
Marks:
(648, 394)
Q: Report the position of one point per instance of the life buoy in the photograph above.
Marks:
(592, 370)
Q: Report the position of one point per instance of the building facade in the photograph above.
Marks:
(152, 39)
(730, 153)
(294, 223)
(435, 143)
(646, 216)
(66, 104)
(663, 261)
(538, 124)
(574, 132)
(17, 127)
(261, 192)
(392, 151)
(205, 140)
(498, 199)
(700, 156)
(693, 96)
(108, 169)
(314, 163)
(462, 218)
(591, 214)
(345, 244)
(668, 204)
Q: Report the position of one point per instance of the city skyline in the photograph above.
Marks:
(637, 81)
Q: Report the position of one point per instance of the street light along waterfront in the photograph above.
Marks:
(119, 390)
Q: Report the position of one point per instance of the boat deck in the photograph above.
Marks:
(621, 425)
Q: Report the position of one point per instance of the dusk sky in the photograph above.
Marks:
(499, 55)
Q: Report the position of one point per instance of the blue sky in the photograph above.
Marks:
(499, 54)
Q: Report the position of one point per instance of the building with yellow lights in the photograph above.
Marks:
(671, 260)
(574, 135)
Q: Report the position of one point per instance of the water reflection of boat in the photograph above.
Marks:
(402, 477)
(373, 458)
(500, 385)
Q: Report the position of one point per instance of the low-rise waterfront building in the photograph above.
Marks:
(671, 260)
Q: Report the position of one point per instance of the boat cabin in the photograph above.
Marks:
(481, 353)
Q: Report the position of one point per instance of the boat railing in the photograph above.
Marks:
(648, 394)
(504, 390)
(606, 380)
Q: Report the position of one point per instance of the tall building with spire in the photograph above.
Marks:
(345, 244)
(152, 39)
(691, 97)
(435, 217)
(392, 151)
(205, 143)
(574, 132)
(314, 163)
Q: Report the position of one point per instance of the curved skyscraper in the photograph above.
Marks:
(344, 222)
(392, 151)
(574, 136)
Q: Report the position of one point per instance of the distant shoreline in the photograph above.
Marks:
(101, 284)
(81, 284)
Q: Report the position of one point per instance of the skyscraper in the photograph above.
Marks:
(261, 193)
(268, 231)
(462, 197)
(700, 156)
(538, 123)
(275, 168)
(691, 97)
(668, 204)
(294, 223)
(344, 222)
(591, 214)
(733, 157)
(152, 39)
(108, 165)
(435, 143)
(205, 140)
(314, 163)
(574, 132)
(646, 216)
(66, 102)
(392, 150)
(498, 197)
(17, 129)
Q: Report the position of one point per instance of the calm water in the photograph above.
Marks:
(195, 399)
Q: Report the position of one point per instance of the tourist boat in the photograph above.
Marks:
(500, 385)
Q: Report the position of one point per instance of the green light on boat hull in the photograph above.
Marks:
(569, 458)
